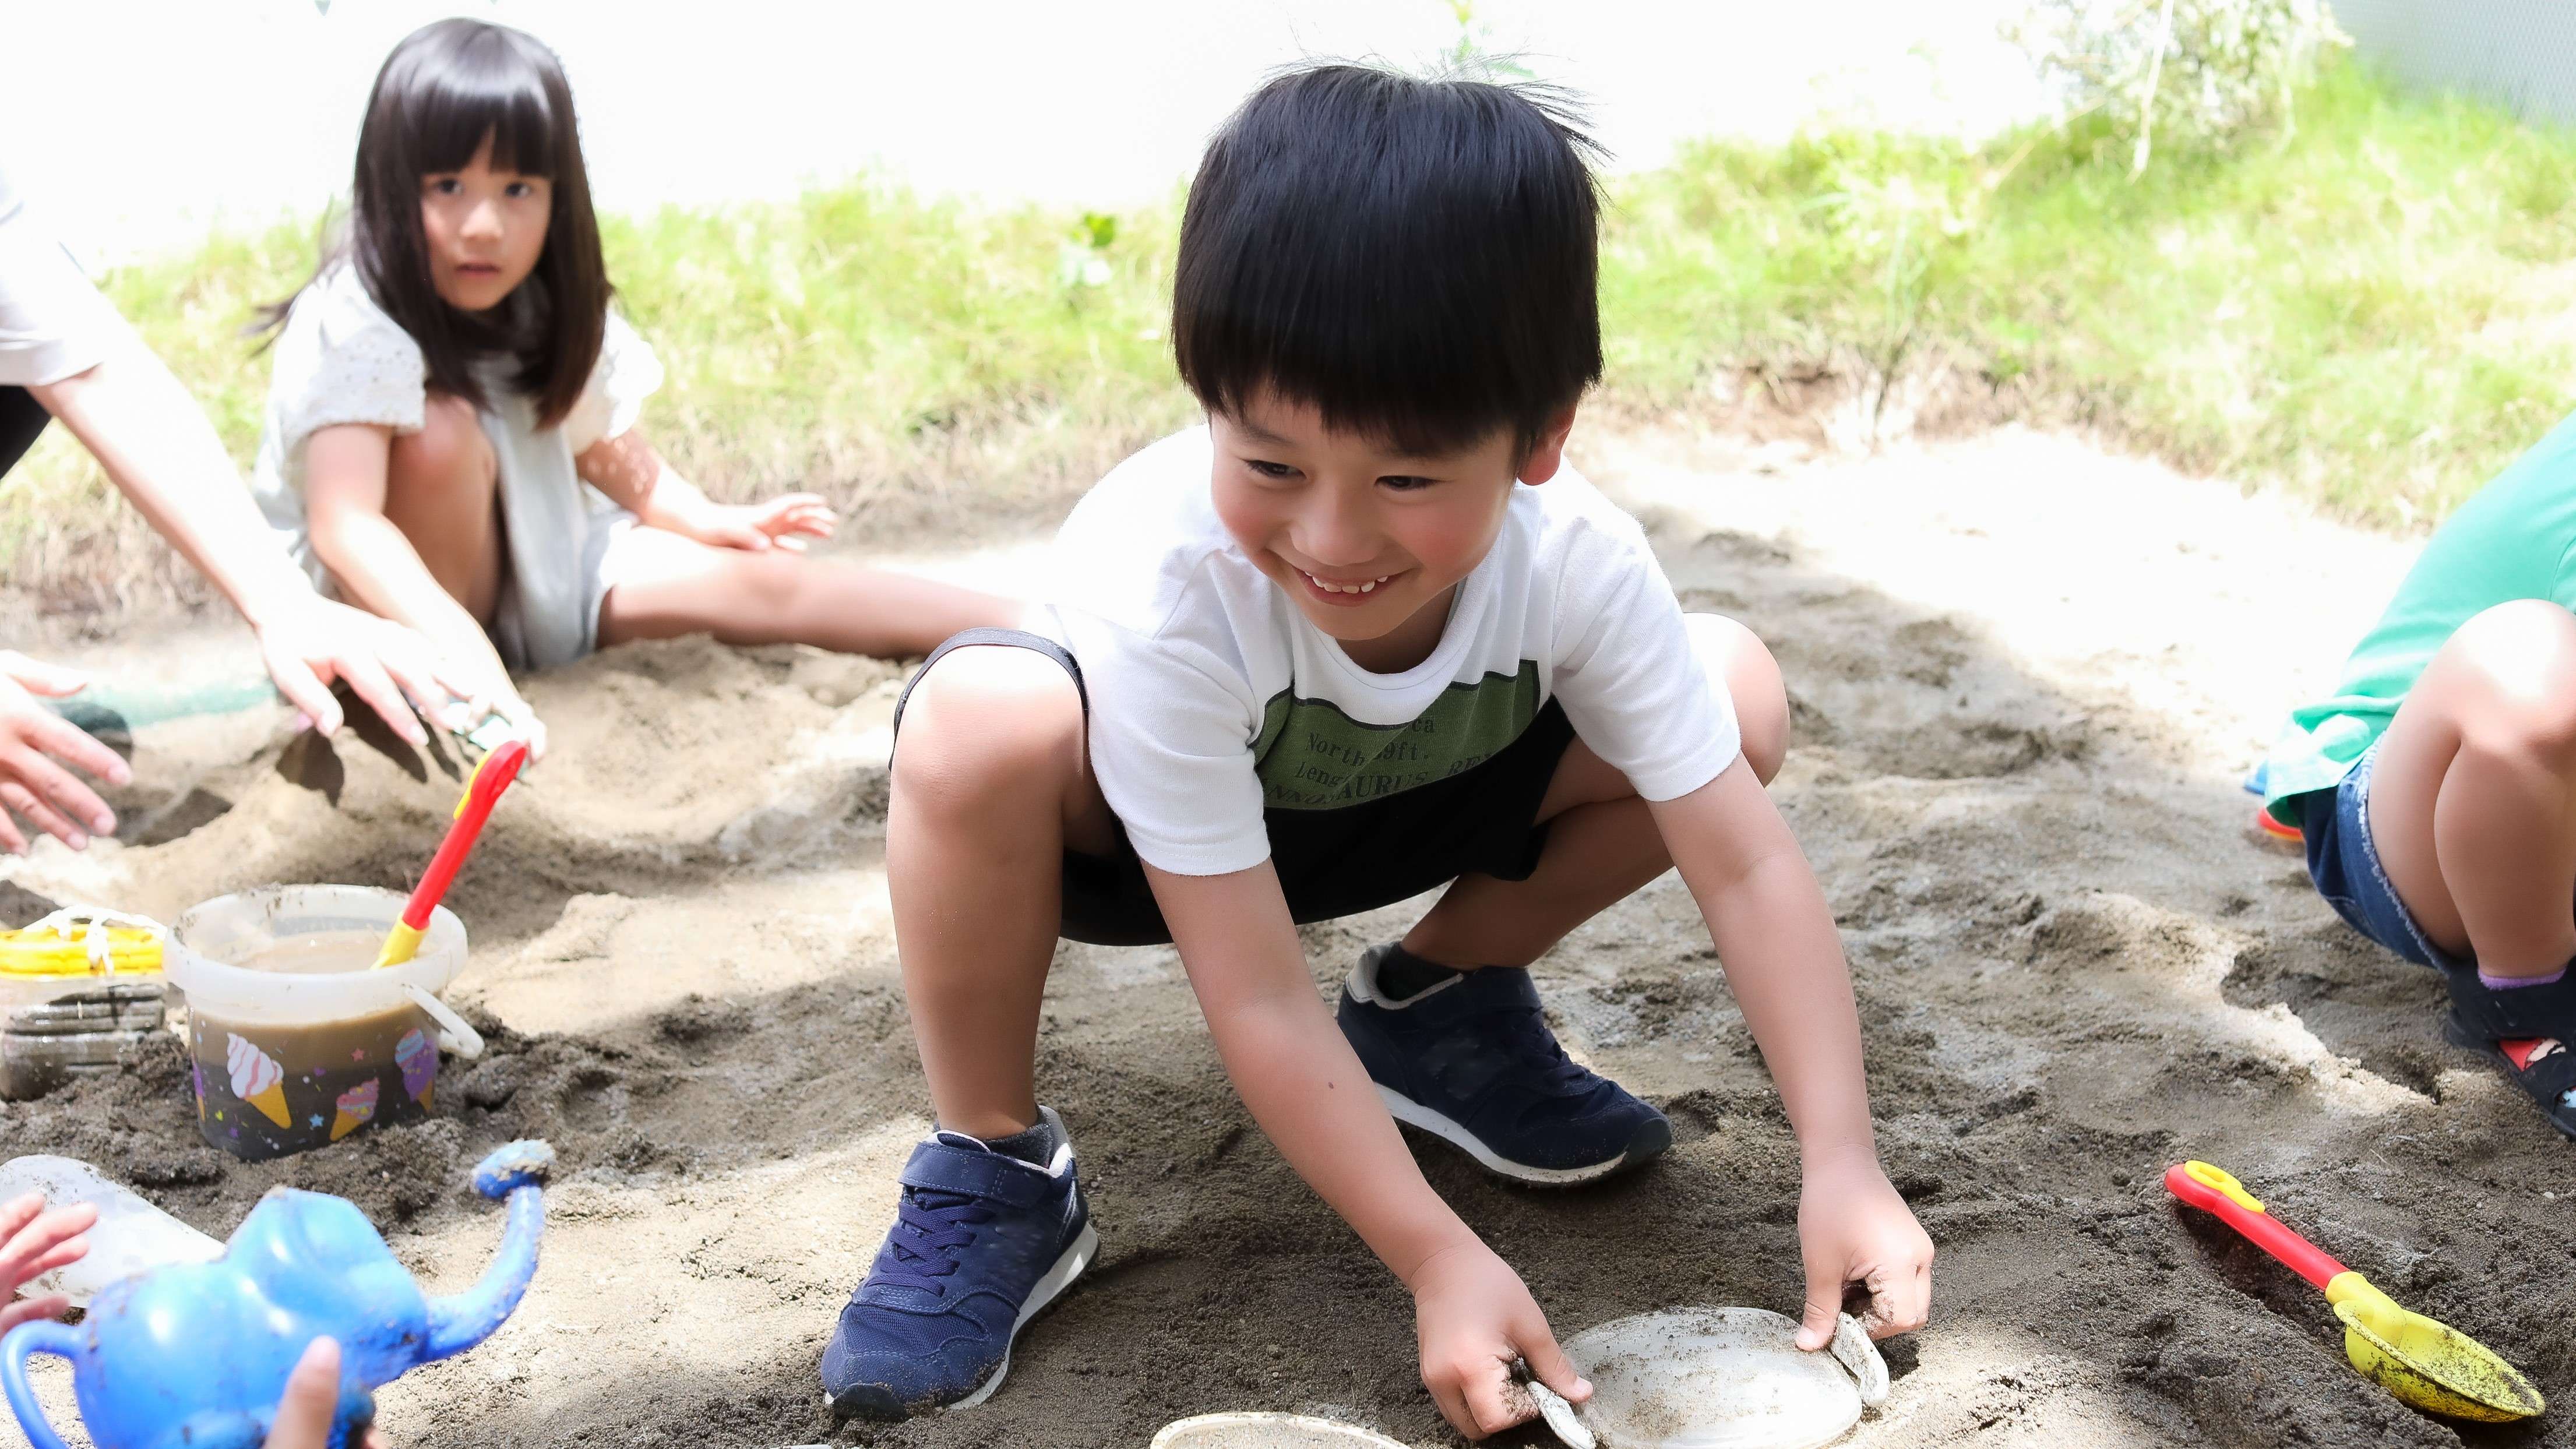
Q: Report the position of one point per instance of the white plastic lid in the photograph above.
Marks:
(1716, 1378)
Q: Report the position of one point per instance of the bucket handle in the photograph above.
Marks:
(455, 1033)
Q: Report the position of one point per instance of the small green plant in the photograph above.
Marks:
(1082, 262)
(2197, 72)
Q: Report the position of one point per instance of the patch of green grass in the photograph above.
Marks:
(2376, 308)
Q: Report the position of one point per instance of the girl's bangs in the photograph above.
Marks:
(507, 103)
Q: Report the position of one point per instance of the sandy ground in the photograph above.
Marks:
(2027, 679)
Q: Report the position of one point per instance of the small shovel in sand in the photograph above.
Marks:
(492, 775)
(2429, 1365)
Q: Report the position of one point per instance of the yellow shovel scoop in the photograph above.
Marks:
(2434, 1367)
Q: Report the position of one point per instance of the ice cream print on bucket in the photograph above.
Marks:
(296, 1039)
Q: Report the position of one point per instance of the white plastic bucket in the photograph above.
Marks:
(298, 1039)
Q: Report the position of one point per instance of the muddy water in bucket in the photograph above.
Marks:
(297, 1041)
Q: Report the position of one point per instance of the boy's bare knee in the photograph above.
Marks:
(449, 447)
(987, 725)
(1736, 656)
(2522, 658)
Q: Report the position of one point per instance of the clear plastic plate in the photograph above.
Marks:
(1268, 1431)
(1722, 1378)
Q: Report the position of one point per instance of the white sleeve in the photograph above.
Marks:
(627, 374)
(1630, 679)
(1171, 742)
(361, 367)
(53, 323)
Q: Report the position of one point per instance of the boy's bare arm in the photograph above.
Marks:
(1784, 961)
(1307, 1089)
(1291, 1066)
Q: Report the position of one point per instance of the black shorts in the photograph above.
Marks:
(1330, 862)
(21, 419)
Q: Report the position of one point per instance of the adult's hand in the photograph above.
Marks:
(36, 746)
(310, 643)
(312, 1394)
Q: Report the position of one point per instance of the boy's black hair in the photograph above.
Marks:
(1416, 259)
(445, 88)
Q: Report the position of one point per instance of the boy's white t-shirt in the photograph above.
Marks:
(53, 323)
(1212, 698)
(340, 359)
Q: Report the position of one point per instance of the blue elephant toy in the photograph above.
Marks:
(195, 1355)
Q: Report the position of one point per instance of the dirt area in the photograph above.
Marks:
(2027, 678)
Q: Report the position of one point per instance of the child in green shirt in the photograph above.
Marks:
(2437, 788)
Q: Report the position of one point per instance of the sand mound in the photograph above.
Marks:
(2019, 726)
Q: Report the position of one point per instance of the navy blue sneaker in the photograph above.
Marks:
(1471, 1061)
(981, 1241)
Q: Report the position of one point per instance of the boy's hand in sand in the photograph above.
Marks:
(1474, 1316)
(35, 746)
(1854, 1228)
(34, 1242)
(779, 523)
(312, 1394)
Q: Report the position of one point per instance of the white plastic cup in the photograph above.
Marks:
(261, 1091)
(132, 1235)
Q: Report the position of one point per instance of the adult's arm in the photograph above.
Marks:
(157, 447)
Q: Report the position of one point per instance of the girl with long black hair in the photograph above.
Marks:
(454, 375)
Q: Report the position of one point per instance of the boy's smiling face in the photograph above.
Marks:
(1367, 539)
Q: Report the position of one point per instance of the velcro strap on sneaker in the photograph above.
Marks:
(2515, 1011)
(938, 1167)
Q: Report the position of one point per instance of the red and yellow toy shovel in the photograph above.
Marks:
(2434, 1367)
(492, 775)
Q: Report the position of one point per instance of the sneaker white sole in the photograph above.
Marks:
(1057, 1279)
(1049, 1288)
(1413, 1114)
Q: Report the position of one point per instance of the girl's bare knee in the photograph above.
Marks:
(449, 450)
(1736, 657)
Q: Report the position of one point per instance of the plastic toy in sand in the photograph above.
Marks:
(196, 1354)
(1268, 1431)
(1717, 1378)
(77, 990)
(297, 1038)
(492, 775)
(2430, 1365)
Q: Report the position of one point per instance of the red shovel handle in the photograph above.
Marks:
(2212, 1190)
(491, 776)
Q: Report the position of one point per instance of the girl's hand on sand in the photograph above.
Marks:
(35, 745)
(1474, 1316)
(311, 643)
(780, 523)
(1853, 1228)
(34, 1242)
(523, 723)
(312, 1394)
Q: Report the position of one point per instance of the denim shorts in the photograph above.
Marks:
(2344, 863)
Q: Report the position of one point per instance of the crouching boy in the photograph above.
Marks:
(1360, 636)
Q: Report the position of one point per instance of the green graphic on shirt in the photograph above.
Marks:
(1311, 756)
